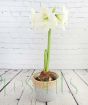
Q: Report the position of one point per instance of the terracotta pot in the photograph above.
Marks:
(45, 91)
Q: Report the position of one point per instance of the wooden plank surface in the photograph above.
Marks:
(12, 93)
(18, 91)
(64, 96)
(27, 99)
(83, 75)
(78, 88)
(8, 77)
(3, 71)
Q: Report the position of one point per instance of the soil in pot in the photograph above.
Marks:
(47, 76)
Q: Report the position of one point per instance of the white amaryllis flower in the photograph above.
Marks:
(44, 19)
(62, 16)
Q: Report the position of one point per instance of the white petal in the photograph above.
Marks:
(65, 15)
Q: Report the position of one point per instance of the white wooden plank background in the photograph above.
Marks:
(8, 77)
(78, 87)
(64, 97)
(19, 92)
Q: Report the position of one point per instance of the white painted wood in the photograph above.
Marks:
(64, 97)
(12, 93)
(22, 47)
(7, 77)
(27, 99)
(83, 75)
(18, 92)
(2, 71)
(77, 86)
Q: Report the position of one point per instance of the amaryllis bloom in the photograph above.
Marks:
(46, 18)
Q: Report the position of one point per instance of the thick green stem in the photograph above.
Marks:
(48, 49)
(45, 59)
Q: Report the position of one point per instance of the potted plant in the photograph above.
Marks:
(45, 82)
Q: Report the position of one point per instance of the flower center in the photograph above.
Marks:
(45, 17)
